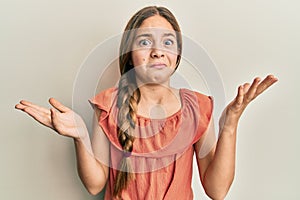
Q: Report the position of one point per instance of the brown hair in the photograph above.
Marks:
(128, 92)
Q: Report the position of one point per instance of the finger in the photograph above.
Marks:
(266, 83)
(33, 110)
(250, 95)
(246, 87)
(39, 116)
(24, 103)
(59, 106)
(239, 99)
(20, 106)
(240, 96)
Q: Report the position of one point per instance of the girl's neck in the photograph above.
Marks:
(156, 94)
(158, 102)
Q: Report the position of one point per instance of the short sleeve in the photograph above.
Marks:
(105, 101)
(205, 110)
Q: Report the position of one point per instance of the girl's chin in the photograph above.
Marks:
(154, 76)
(157, 80)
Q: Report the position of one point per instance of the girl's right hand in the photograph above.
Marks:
(59, 118)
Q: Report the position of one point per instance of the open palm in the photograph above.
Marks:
(59, 118)
(246, 93)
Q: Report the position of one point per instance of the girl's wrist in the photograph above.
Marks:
(82, 135)
(229, 124)
(228, 129)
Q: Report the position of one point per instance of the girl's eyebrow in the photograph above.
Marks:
(143, 35)
(169, 34)
(150, 35)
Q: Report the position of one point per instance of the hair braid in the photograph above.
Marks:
(128, 98)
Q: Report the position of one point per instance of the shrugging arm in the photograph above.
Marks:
(217, 167)
(92, 161)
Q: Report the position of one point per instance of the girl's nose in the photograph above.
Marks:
(157, 52)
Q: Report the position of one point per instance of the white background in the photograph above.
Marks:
(43, 44)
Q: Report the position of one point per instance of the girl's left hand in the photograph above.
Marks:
(246, 94)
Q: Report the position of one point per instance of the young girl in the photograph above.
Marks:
(145, 131)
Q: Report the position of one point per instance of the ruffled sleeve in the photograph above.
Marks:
(205, 106)
(105, 101)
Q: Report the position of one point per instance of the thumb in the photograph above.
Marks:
(59, 106)
(53, 112)
(53, 117)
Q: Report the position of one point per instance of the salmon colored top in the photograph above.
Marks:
(163, 149)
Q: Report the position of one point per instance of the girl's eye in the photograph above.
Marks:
(168, 42)
(144, 42)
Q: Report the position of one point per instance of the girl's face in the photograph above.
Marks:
(154, 51)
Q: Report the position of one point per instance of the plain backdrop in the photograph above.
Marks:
(44, 43)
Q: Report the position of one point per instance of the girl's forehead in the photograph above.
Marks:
(157, 22)
(151, 31)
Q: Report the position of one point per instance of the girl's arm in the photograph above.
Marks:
(217, 167)
(93, 161)
(66, 122)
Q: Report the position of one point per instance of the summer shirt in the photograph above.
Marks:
(162, 150)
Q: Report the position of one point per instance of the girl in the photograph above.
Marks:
(145, 131)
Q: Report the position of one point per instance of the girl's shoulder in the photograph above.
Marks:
(198, 98)
(104, 99)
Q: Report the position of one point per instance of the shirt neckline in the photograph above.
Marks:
(178, 112)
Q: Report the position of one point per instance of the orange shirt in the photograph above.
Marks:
(163, 149)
